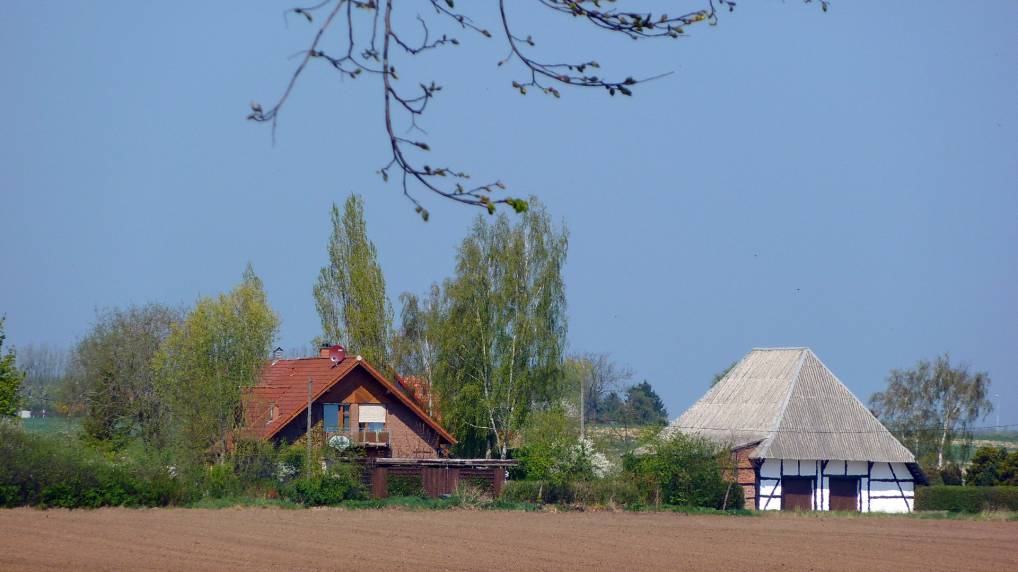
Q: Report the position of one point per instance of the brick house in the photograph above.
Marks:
(352, 404)
(800, 440)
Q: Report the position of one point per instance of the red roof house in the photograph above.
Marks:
(350, 399)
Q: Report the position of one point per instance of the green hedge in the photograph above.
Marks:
(966, 499)
(605, 493)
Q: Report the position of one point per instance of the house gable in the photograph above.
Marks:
(283, 390)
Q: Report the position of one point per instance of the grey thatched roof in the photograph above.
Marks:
(787, 400)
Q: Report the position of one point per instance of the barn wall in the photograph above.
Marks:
(745, 473)
(884, 487)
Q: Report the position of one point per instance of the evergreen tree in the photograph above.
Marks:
(350, 292)
(645, 406)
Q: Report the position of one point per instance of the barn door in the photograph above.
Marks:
(845, 493)
(796, 493)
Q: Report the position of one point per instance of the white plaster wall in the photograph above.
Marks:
(874, 495)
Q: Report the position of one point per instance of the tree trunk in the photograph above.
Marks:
(943, 444)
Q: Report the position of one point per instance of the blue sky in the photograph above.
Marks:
(846, 181)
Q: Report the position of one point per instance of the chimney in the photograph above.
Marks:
(334, 352)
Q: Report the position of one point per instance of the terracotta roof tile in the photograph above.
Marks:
(284, 384)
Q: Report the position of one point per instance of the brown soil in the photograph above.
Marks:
(261, 539)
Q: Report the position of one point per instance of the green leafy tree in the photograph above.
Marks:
(933, 406)
(10, 378)
(350, 292)
(210, 359)
(549, 451)
(992, 466)
(112, 372)
(504, 329)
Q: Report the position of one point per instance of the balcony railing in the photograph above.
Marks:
(364, 438)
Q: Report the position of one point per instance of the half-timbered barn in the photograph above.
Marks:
(800, 439)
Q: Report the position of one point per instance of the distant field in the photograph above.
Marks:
(52, 425)
(322, 539)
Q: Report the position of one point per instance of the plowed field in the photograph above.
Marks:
(271, 539)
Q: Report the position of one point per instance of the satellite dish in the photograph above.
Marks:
(337, 353)
(339, 442)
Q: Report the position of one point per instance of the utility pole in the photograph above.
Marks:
(307, 436)
(583, 409)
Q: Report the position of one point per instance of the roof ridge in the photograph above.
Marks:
(781, 348)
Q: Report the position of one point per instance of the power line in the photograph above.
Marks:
(824, 431)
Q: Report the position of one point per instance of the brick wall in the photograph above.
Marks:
(745, 473)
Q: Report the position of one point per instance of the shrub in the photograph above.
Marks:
(523, 491)
(472, 493)
(340, 483)
(966, 499)
(552, 451)
(992, 466)
(405, 486)
(609, 493)
(255, 461)
(951, 474)
(221, 481)
(681, 470)
(52, 471)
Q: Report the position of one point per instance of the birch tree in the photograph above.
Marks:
(933, 406)
(350, 292)
(415, 344)
(503, 332)
(210, 359)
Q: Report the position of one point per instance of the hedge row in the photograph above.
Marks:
(966, 499)
(605, 493)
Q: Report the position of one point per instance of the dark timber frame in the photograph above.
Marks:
(767, 487)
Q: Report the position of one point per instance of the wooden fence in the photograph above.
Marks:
(438, 477)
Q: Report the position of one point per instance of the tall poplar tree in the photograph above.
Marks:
(207, 361)
(350, 292)
(503, 333)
